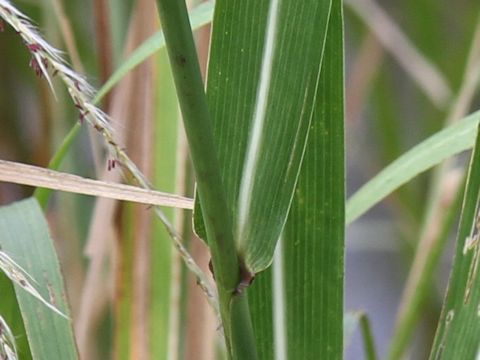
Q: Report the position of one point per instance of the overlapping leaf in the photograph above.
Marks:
(262, 82)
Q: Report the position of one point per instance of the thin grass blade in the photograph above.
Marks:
(459, 325)
(351, 321)
(199, 16)
(438, 147)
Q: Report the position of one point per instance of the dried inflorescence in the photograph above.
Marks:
(46, 58)
(47, 62)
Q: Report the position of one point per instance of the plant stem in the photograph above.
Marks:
(218, 221)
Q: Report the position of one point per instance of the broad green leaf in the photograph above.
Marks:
(458, 331)
(25, 238)
(262, 82)
(313, 238)
(438, 147)
(200, 16)
(307, 282)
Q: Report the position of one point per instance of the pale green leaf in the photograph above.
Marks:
(432, 151)
(25, 238)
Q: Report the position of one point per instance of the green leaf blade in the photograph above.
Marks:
(459, 325)
(438, 147)
(260, 299)
(25, 238)
(313, 238)
(266, 191)
(260, 127)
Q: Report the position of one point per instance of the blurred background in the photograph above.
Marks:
(410, 71)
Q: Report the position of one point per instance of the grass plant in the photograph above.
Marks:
(258, 119)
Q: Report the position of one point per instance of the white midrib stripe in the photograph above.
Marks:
(256, 130)
(279, 328)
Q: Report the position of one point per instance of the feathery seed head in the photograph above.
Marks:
(44, 58)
